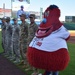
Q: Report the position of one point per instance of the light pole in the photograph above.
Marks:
(4, 9)
(41, 13)
(11, 8)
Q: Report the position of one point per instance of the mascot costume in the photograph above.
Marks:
(48, 49)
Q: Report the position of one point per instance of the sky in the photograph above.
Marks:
(67, 7)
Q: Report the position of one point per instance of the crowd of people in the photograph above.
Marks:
(16, 38)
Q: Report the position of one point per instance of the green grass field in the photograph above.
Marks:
(70, 70)
(1, 50)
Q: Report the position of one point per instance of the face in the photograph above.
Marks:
(32, 19)
(22, 18)
(22, 8)
(15, 21)
(51, 19)
(45, 27)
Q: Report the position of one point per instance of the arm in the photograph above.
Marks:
(64, 33)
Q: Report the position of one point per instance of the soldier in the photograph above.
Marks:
(32, 29)
(16, 43)
(3, 26)
(23, 38)
(9, 31)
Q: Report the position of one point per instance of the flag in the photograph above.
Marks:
(17, 3)
(12, 0)
(28, 1)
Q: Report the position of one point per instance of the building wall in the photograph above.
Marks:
(30, 12)
(69, 18)
(5, 12)
(9, 13)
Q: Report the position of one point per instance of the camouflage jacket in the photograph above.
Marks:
(32, 29)
(9, 30)
(24, 32)
(16, 31)
(3, 27)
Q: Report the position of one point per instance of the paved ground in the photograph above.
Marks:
(8, 68)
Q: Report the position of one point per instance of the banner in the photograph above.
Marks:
(28, 1)
(17, 3)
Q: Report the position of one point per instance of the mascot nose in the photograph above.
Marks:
(44, 20)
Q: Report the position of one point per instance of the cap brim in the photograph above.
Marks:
(20, 15)
(31, 17)
(22, 7)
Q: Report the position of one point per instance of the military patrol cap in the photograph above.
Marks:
(23, 15)
(4, 18)
(32, 16)
(7, 19)
(14, 19)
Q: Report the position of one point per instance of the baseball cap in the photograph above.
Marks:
(22, 6)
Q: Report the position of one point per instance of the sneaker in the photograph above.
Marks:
(29, 69)
(24, 66)
(6, 55)
(9, 57)
(12, 59)
(21, 63)
(40, 74)
(35, 73)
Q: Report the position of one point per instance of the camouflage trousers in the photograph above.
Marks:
(9, 47)
(16, 48)
(23, 51)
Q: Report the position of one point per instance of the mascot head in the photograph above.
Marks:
(50, 22)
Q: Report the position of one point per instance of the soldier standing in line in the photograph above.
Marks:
(3, 27)
(32, 29)
(16, 41)
(9, 38)
(23, 39)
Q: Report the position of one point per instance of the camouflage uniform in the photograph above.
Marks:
(16, 41)
(9, 30)
(3, 26)
(32, 29)
(24, 40)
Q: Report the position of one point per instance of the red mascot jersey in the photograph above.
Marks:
(48, 49)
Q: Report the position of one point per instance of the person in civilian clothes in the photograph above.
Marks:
(21, 11)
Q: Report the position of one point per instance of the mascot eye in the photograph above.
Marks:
(47, 13)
